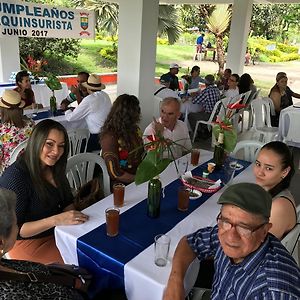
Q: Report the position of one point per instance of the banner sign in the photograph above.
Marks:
(27, 19)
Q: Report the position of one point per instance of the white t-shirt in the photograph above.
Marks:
(180, 135)
(94, 108)
(231, 94)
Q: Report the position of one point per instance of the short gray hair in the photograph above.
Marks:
(7, 211)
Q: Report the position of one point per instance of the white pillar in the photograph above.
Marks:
(9, 57)
(239, 30)
(138, 21)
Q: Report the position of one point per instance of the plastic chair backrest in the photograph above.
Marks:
(249, 148)
(291, 120)
(290, 241)
(261, 111)
(76, 137)
(80, 170)
(245, 96)
(16, 152)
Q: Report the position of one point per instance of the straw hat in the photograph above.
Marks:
(93, 83)
(11, 99)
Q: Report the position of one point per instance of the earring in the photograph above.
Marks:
(282, 177)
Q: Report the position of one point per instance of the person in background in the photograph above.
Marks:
(163, 91)
(199, 44)
(250, 263)
(77, 92)
(94, 108)
(171, 77)
(24, 89)
(120, 135)
(222, 84)
(14, 127)
(233, 90)
(246, 84)
(207, 99)
(170, 127)
(281, 96)
(273, 170)
(196, 79)
(44, 197)
(23, 290)
(247, 57)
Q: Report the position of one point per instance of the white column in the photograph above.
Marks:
(138, 21)
(9, 57)
(239, 31)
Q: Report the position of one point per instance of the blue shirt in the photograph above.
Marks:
(208, 98)
(200, 40)
(267, 273)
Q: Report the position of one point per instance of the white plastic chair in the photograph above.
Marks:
(248, 148)
(16, 152)
(76, 137)
(248, 108)
(290, 127)
(80, 170)
(261, 109)
(291, 240)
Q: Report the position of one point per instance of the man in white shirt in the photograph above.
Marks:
(94, 108)
(163, 91)
(233, 90)
(170, 127)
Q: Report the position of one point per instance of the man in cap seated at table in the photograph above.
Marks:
(170, 127)
(77, 92)
(94, 108)
(249, 262)
(171, 77)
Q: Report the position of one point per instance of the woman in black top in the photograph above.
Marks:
(44, 198)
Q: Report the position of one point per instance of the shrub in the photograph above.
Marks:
(162, 41)
(110, 53)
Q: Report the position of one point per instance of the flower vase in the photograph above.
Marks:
(53, 105)
(154, 196)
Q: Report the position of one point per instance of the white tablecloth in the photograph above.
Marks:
(284, 124)
(42, 93)
(143, 279)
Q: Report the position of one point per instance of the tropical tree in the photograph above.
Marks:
(217, 23)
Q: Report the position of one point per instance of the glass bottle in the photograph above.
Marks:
(219, 152)
(154, 196)
(53, 106)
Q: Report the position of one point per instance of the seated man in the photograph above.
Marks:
(171, 77)
(170, 127)
(163, 91)
(94, 108)
(250, 263)
(207, 99)
(77, 92)
(222, 84)
(233, 90)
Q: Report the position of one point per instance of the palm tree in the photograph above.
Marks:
(217, 23)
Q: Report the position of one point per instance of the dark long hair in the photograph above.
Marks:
(245, 83)
(283, 151)
(123, 118)
(32, 159)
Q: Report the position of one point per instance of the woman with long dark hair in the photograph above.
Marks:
(44, 198)
(120, 135)
(273, 170)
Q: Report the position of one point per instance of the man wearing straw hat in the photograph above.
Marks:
(94, 108)
(249, 262)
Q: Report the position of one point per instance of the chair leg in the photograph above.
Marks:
(195, 131)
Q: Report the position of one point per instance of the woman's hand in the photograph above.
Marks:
(70, 217)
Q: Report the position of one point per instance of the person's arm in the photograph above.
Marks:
(109, 146)
(80, 112)
(183, 257)
(296, 95)
(276, 98)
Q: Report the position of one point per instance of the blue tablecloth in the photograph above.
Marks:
(46, 114)
(105, 257)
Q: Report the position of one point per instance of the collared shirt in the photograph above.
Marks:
(208, 98)
(94, 108)
(180, 135)
(268, 273)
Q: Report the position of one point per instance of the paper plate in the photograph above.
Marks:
(236, 166)
(196, 194)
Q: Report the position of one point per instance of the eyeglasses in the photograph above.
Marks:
(242, 230)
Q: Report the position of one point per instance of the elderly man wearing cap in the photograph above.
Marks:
(207, 99)
(171, 77)
(14, 127)
(249, 262)
(94, 108)
(163, 90)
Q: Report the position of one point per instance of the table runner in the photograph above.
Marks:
(46, 114)
(105, 257)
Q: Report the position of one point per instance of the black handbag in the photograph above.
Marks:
(70, 276)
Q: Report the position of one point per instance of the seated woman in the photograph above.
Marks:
(23, 290)
(246, 84)
(281, 96)
(195, 78)
(24, 89)
(44, 198)
(120, 135)
(273, 170)
(14, 127)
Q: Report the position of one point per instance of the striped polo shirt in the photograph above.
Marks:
(270, 272)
